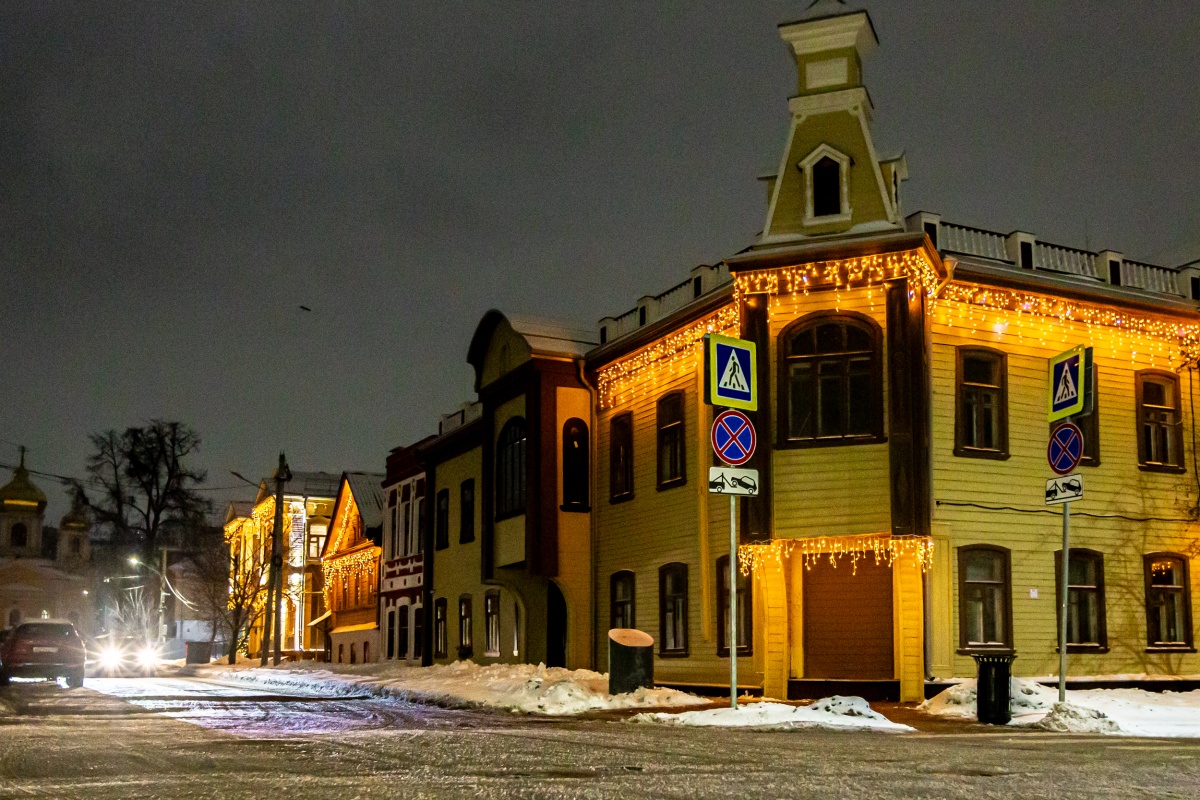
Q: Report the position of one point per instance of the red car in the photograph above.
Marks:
(43, 649)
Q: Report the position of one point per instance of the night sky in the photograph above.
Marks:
(176, 181)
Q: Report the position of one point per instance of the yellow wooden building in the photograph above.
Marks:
(350, 564)
(901, 526)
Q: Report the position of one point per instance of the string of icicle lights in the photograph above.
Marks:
(846, 273)
(1176, 343)
(639, 374)
(881, 547)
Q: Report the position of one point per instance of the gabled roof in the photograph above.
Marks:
(368, 496)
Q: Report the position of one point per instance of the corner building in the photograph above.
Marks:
(902, 431)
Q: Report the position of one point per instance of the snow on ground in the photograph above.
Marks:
(516, 687)
(830, 712)
(1134, 712)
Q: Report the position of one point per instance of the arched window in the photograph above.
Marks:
(510, 469)
(672, 458)
(984, 592)
(621, 600)
(1168, 602)
(673, 610)
(830, 377)
(827, 188)
(575, 465)
(18, 535)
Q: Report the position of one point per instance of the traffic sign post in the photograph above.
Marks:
(1070, 379)
(1063, 452)
(734, 441)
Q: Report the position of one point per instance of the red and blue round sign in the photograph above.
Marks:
(1065, 448)
(733, 437)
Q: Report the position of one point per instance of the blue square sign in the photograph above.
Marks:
(1068, 384)
(729, 367)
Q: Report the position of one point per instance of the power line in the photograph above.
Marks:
(1074, 513)
(67, 479)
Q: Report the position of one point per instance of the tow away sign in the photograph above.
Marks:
(1064, 489)
(729, 480)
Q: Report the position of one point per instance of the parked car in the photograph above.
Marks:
(47, 649)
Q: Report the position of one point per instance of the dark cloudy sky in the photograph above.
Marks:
(175, 181)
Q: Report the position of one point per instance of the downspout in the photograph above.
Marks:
(592, 483)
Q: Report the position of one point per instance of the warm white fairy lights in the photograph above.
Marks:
(881, 547)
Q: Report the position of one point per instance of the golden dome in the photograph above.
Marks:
(20, 494)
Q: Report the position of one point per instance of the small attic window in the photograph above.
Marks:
(603, 334)
(1114, 272)
(642, 315)
(697, 286)
(1196, 288)
(827, 188)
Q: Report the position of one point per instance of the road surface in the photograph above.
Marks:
(188, 738)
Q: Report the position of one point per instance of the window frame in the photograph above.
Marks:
(617, 577)
(965, 647)
(663, 572)
(440, 634)
(576, 466)
(441, 520)
(491, 619)
(784, 359)
(746, 597)
(512, 464)
(1158, 375)
(466, 623)
(403, 631)
(466, 511)
(1001, 451)
(1185, 588)
(621, 424)
(675, 430)
(1101, 645)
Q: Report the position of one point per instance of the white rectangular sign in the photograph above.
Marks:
(731, 480)
(1064, 489)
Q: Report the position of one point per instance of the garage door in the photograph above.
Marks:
(848, 621)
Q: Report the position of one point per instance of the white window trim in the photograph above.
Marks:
(805, 166)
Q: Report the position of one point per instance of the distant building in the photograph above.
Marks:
(43, 570)
(402, 581)
(350, 563)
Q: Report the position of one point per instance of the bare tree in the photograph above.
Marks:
(146, 486)
(235, 591)
(133, 615)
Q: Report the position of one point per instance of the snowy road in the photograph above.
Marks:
(188, 738)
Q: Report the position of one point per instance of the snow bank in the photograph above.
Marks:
(515, 687)
(830, 712)
(1135, 712)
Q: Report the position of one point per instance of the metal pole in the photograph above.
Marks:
(282, 475)
(162, 597)
(1062, 604)
(733, 632)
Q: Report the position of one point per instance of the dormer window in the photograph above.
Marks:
(826, 176)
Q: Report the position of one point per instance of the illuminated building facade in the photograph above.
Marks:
(350, 563)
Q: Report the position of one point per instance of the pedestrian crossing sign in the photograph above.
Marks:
(729, 372)
(1069, 383)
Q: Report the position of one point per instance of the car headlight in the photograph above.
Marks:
(110, 658)
(147, 656)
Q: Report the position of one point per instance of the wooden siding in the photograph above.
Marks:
(829, 491)
(1116, 488)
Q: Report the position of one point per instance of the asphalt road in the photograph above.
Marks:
(188, 738)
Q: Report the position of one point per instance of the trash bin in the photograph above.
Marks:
(630, 660)
(992, 688)
(198, 653)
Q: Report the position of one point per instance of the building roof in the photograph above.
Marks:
(20, 493)
(368, 496)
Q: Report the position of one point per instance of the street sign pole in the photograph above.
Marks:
(1062, 605)
(733, 609)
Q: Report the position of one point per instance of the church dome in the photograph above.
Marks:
(20, 494)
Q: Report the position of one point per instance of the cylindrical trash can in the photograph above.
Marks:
(992, 688)
(630, 660)
(198, 653)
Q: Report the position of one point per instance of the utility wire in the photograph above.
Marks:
(93, 482)
(1074, 513)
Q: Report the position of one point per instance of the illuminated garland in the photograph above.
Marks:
(880, 546)
(362, 562)
(847, 273)
(1012, 304)
(627, 378)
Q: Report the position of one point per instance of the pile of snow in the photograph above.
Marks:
(1066, 718)
(830, 712)
(515, 687)
(1135, 712)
